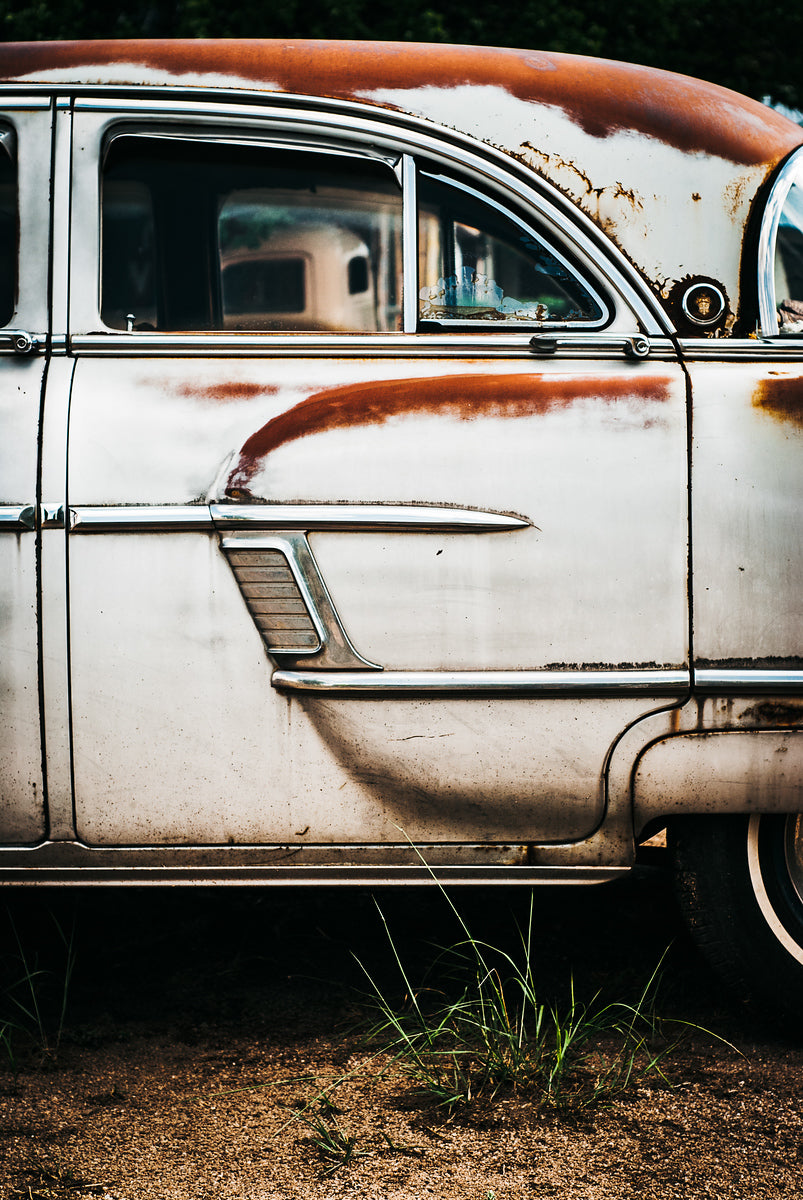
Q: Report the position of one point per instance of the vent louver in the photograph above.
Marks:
(274, 599)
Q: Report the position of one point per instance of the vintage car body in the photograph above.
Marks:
(486, 579)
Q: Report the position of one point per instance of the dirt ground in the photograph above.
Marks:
(200, 1023)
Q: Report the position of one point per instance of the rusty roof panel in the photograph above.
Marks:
(601, 96)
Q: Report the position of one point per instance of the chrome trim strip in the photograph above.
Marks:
(185, 518)
(397, 131)
(141, 518)
(748, 683)
(753, 349)
(368, 517)
(25, 103)
(543, 683)
(376, 345)
(17, 518)
(20, 341)
(409, 244)
(787, 175)
(308, 876)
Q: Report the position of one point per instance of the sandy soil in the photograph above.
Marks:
(200, 1024)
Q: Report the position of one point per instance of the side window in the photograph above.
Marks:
(9, 226)
(479, 262)
(789, 263)
(206, 237)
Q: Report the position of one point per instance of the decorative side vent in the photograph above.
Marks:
(274, 599)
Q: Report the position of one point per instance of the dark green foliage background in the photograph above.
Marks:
(753, 48)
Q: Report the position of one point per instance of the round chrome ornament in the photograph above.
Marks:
(703, 303)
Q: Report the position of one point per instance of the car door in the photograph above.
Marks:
(747, 483)
(377, 491)
(25, 124)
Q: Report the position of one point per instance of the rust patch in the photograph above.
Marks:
(461, 397)
(601, 96)
(775, 713)
(780, 396)
(227, 392)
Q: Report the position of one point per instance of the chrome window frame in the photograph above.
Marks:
(98, 119)
(34, 181)
(790, 173)
(467, 323)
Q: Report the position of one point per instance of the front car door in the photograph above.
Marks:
(353, 563)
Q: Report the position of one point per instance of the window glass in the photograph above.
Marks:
(477, 263)
(789, 263)
(8, 226)
(200, 237)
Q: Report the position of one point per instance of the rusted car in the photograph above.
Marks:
(401, 475)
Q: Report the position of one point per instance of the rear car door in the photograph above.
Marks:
(352, 560)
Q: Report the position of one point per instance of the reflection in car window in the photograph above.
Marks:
(8, 226)
(477, 263)
(221, 237)
(789, 263)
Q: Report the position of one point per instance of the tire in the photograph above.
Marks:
(739, 882)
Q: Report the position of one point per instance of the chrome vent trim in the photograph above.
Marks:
(251, 552)
(273, 597)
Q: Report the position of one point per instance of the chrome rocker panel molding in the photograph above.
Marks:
(57, 863)
(543, 683)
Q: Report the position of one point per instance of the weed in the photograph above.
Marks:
(484, 1029)
(332, 1142)
(24, 1012)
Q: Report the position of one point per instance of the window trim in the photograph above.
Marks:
(791, 172)
(407, 168)
(373, 133)
(466, 324)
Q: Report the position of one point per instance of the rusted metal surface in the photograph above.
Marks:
(780, 396)
(601, 96)
(719, 772)
(747, 493)
(681, 288)
(460, 397)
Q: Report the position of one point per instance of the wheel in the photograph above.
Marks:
(740, 884)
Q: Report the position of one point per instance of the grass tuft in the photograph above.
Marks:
(482, 1029)
(26, 1015)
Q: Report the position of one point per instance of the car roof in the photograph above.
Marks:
(667, 166)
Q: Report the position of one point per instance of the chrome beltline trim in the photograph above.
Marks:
(743, 682)
(378, 345)
(753, 349)
(544, 683)
(185, 518)
(22, 103)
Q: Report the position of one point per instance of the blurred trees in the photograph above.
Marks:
(753, 48)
